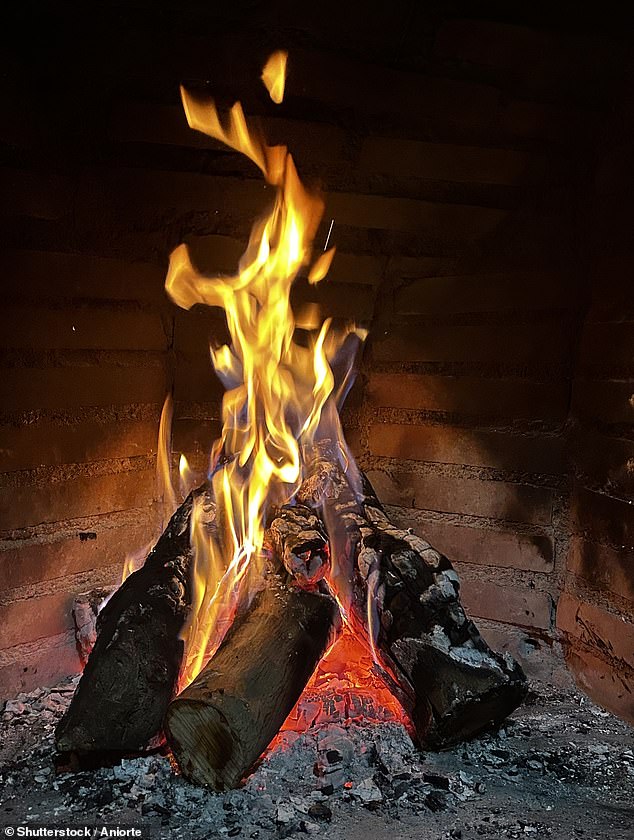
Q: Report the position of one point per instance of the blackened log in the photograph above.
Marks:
(223, 721)
(132, 671)
(427, 633)
(452, 683)
(299, 540)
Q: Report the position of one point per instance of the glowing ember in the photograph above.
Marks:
(345, 688)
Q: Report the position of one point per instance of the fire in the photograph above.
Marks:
(280, 394)
(134, 560)
(274, 75)
(344, 688)
(281, 399)
(186, 475)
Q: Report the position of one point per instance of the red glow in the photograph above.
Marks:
(344, 689)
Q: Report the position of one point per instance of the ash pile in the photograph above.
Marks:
(533, 777)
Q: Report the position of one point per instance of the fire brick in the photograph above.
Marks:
(491, 547)
(469, 395)
(75, 386)
(84, 496)
(515, 605)
(612, 635)
(34, 561)
(454, 445)
(606, 569)
(52, 443)
(468, 496)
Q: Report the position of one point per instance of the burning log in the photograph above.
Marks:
(132, 671)
(406, 596)
(398, 590)
(221, 723)
(424, 628)
(300, 541)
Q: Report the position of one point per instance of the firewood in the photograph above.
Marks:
(221, 723)
(132, 671)
(300, 541)
(452, 683)
(428, 634)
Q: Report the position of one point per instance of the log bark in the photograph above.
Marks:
(223, 721)
(132, 671)
(425, 630)
(451, 682)
(300, 541)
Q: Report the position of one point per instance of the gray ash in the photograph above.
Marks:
(530, 778)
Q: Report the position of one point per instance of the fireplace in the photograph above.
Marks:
(474, 175)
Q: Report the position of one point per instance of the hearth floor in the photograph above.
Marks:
(559, 768)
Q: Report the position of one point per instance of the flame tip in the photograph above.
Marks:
(274, 75)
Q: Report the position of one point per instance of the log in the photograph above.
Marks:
(300, 541)
(424, 628)
(452, 683)
(86, 608)
(223, 721)
(132, 671)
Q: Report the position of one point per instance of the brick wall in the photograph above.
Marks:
(595, 612)
(454, 179)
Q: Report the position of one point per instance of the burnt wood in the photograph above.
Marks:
(223, 721)
(403, 596)
(452, 683)
(299, 540)
(425, 630)
(132, 671)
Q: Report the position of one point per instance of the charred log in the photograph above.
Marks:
(424, 628)
(220, 725)
(299, 540)
(132, 671)
(455, 684)
(404, 596)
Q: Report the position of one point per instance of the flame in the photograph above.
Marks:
(163, 460)
(186, 476)
(274, 75)
(134, 560)
(321, 266)
(280, 394)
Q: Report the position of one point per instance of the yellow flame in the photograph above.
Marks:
(163, 459)
(274, 75)
(321, 266)
(135, 559)
(202, 116)
(186, 475)
(278, 391)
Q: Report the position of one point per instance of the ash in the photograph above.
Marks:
(560, 767)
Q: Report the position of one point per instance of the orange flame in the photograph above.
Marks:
(186, 475)
(274, 75)
(134, 559)
(163, 460)
(278, 392)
